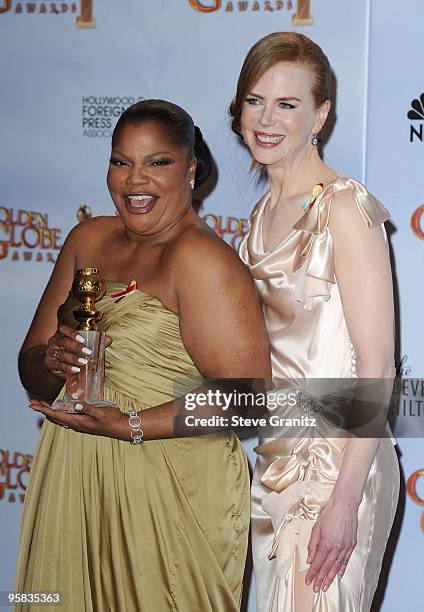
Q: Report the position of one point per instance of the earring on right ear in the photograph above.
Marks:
(191, 183)
(314, 139)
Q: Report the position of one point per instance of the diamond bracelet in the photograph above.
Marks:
(134, 421)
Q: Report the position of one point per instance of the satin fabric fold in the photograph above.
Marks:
(159, 526)
(296, 472)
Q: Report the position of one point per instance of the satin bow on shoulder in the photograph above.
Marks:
(313, 261)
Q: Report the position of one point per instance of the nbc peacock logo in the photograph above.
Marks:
(416, 114)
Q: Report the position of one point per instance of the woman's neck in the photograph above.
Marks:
(298, 176)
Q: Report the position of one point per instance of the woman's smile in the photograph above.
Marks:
(140, 203)
(268, 141)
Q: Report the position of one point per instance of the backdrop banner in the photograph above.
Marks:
(79, 64)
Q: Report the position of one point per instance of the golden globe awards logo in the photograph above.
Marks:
(84, 19)
(417, 222)
(26, 236)
(302, 15)
(411, 489)
(14, 473)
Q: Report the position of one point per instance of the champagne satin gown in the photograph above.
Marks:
(294, 477)
(154, 527)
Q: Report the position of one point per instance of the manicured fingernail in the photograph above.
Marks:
(82, 360)
(325, 588)
(308, 582)
(86, 350)
(75, 369)
(316, 589)
(80, 339)
(78, 407)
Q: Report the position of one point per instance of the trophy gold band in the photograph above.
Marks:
(87, 385)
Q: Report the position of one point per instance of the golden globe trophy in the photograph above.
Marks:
(303, 15)
(86, 19)
(87, 385)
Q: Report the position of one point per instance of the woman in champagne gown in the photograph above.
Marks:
(322, 503)
(160, 525)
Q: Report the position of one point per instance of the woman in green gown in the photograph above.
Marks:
(161, 525)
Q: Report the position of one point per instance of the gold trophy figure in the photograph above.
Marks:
(87, 385)
(86, 19)
(84, 212)
(303, 15)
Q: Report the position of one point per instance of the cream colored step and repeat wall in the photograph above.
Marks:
(68, 71)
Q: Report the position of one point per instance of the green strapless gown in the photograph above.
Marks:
(148, 528)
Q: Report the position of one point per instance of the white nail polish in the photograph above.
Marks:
(75, 369)
(86, 350)
(80, 339)
(82, 360)
(78, 407)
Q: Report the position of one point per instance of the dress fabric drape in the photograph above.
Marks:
(154, 527)
(294, 476)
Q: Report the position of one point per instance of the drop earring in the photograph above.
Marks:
(191, 183)
(314, 139)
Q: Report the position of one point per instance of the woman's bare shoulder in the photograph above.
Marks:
(96, 228)
(200, 253)
(200, 242)
(91, 236)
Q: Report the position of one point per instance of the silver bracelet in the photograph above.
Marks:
(134, 421)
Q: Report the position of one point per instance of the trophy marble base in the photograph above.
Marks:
(82, 24)
(301, 21)
(86, 385)
(66, 405)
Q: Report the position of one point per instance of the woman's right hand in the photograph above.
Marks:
(66, 353)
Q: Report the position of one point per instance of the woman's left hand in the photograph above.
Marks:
(96, 420)
(332, 542)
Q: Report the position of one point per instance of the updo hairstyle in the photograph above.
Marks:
(179, 127)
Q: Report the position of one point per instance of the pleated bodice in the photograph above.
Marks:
(147, 359)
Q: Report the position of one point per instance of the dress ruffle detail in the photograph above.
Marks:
(300, 484)
(313, 260)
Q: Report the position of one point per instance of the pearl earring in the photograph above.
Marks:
(191, 183)
(314, 139)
